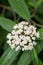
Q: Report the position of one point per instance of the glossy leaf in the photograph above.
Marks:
(8, 57)
(34, 57)
(6, 24)
(20, 7)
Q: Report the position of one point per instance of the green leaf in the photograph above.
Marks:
(6, 24)
(40, 8)
(41, 34)
(8, 57)
(3, 34)
(39, 18)
(39, 45)
(25, 59)
(35, 3)
(6, 46)
(20, 7)
(34, 57)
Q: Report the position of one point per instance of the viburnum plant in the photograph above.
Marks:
(23, 38)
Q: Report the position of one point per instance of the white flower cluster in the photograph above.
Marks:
(22, 36)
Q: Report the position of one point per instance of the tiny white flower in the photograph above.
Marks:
(38, 35)
(23, 49)
(30, 40)
(22, 23)
(13, 32)
(15, 27)
(17, 42)
(13, 41)
(17, 48)
(16, 37)
(24, 42)
(21, 44)
(13, 46)
(33, 38)
(22, 37)
(18, 32)
(30, 47)
(21, 30)
(9, 41)
(25, 27)
(26, 23)
(31, 35)
(34, 32)
(31, 44)
(28, 32)
(20, 26)
(26, 48)
(34, 43)
(9, 36)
